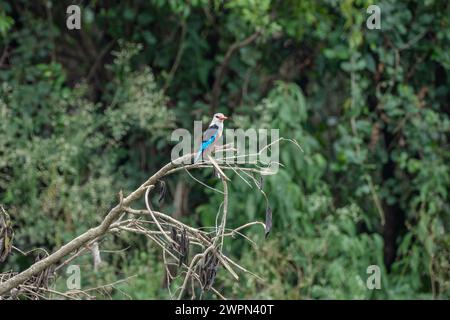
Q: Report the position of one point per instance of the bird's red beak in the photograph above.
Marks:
(224, 118)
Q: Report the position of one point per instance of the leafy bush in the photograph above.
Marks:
(87, 113)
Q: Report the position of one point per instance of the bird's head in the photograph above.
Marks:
(219, 117)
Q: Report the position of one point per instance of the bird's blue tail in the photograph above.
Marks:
(198, 156)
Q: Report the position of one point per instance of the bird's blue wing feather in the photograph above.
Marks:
(209, 136)
(207, 143)
(210, 133)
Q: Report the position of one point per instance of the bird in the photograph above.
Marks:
(211, 135)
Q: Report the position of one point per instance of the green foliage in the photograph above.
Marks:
(85, 114)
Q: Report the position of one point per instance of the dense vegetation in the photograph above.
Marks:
(86, 113)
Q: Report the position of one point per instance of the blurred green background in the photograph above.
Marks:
(86, 113)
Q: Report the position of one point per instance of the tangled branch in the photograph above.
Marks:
(175, 238)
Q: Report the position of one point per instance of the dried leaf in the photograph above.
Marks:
(184, 248)
(173, 234)
(186, 253)
(162, 191)
(6, 235)
(260, 182)
(208, 270)
(268, 220)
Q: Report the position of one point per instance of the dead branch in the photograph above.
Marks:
(173, 236)
(84, 238)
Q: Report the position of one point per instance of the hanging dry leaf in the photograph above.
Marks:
(208, 270)
(173, 234)
(184, 245)
(260, 182)
(6, 234)
(162, 191)
(268, 220)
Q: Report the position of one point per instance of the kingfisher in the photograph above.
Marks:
(211, 135)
